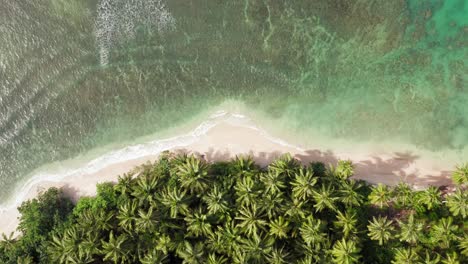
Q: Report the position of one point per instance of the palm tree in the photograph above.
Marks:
(430, 198)
(126, 215)
(460, 175)
(345, 252)
(380, 196)
(154, 257)
(176, 201)
(26, 260)
(124, 184)
(165, 244)
(344, 169)
(216, 201)
(279, 227)
(272, 204)
(146, 221)
(278, 256)
(451, 258)
(251, 219)
(247, 191)
(349, 195)
(192, 254)
(193, 175)
(404, 195)
(410, 230)
(216, 259)
(444, 232)
(464, 245)
(405, 256)
(324, 198)
(347, 222)
(311, 232)
(8, 242)
(273, 182)
(114, 249)
(145, 189)
(244, 166)
(380, 229)
(257, 248)
(198, 224)
(285, 165)
(303, 184)
(226, 239)
(63, 247)
(458, 203)
(428, 259)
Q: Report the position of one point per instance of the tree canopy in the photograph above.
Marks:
(183, 209)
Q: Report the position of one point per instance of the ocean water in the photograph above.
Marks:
(76, 76)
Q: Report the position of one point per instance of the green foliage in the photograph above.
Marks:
(182, 209)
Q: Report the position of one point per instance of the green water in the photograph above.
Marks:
(78, 75)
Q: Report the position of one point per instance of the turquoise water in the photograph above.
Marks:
(79, 75)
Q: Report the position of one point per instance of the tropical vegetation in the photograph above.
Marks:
(183, 209)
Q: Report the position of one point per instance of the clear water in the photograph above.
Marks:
(78, 75)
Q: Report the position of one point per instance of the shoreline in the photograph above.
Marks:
(222, 137)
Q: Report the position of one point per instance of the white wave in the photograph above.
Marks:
(150, 148)
(117, 20)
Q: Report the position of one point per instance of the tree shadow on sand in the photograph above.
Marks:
(376, 169)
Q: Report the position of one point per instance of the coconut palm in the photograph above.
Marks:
(285, 165)
(257, 248)
(154, 257)
(146, 220)
(464, 245)
(279, 227)
(216, 259)
(303, 184)
(324, 198)
(278, 256)
(349, 193)
(404, 195)
(273, 182)
(165, 244)
(251, 219)
(458, 203)
(410, 230)
(28, 260)
(311, 232)
(295, 210)
(460, 175)
(114, 249)
(145, 189)
(227, 238)
(345, 252)
(198, 224)
(243, 166)
(405, 256)
(127, 216)
(175, 200)
(344, 169)
(347, 222)
(64, 247)
(193, 175)
(124, 184)
(430, 197)
(444, 232)
(216, 201)
(247, 191)
(192, 254)
(380, 196)
(430, 258)
(272, 204)
(8, 242)
(380, 229)
(451, 258)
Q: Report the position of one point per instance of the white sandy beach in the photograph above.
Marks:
(227, 138)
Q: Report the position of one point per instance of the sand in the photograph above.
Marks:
(226, 139)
